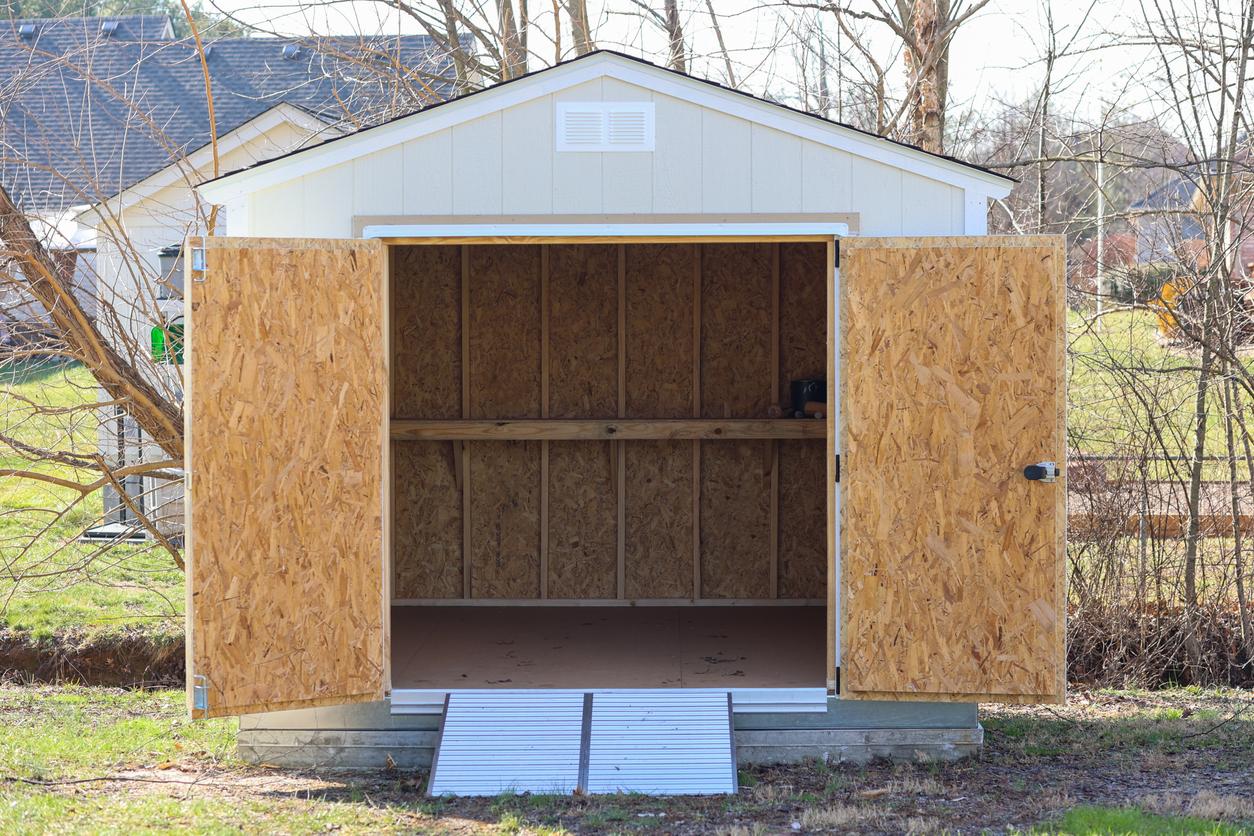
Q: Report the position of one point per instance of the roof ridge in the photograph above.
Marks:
(72, 18)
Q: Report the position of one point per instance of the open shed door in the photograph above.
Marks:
(952, 560)
(286, 432)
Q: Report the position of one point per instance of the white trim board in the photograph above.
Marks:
(593, 230)
(578, 71)
(744, 700)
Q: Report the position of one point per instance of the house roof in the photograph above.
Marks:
(85, 114)
(536, 80)
(1175, 194)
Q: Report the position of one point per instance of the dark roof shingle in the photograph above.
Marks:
(84, 115)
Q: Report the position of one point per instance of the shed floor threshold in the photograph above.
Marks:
(744, 700)
(740, 649)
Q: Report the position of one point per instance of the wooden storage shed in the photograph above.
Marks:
(612, 393)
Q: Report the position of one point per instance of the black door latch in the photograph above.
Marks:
(1041, 472)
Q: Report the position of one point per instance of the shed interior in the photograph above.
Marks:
(597, 479)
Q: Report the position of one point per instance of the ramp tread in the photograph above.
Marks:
(653, 742)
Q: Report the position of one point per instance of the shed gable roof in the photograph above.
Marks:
(607, 64)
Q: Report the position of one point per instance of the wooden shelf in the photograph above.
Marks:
(615, 429)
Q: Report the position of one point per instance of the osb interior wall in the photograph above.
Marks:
(603, 331)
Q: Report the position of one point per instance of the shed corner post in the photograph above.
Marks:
(193, 274)
(834, 427)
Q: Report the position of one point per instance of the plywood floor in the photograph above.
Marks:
(608, 647)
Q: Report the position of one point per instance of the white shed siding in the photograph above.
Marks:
(825, 178)
(428, 174)
(677, 175)
(378, 181)
(876, 189)
(478, 146)
(776, 170)
(528, 131)
(327, 193)
(724, 162)
(577, 183)
(277, 211)
(705, 162)
(927, 207)
(626, 177)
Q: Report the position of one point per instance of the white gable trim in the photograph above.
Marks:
(604, 65)
(187, 168)
(807, 127)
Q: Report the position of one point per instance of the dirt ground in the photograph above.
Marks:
(1180, 752)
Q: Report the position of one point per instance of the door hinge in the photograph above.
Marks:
(198, 263)
(836, 264)
(838, 468)
(200, 693)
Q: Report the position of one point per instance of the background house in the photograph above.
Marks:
(105, 126)
(1163, 239)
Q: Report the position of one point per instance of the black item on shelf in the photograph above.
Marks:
(805, 390)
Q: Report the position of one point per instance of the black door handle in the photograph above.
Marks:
(1041, 472)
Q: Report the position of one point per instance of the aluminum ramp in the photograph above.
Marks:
(656, 742)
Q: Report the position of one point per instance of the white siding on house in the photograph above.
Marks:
(165, 210)
(705, 162)
(877, 191)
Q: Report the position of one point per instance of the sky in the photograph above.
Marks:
(994, 57)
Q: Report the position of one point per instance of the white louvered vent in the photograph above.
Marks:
(604, 126)
(627, 128)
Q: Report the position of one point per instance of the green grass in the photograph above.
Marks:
(112, 761)
(48, 581)
(1118, 821)
(1166, 721)
(27, 811)
(69, 733)
(52, 733)
(1122, 378)
(96, 760)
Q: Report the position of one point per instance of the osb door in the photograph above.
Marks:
(952, 560)
(286, 418)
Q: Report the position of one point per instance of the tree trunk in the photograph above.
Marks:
(675, 38)
(927, 71)
(513, 48)
(160, 418)
(1191, 642)
(580, 26)
(1232, 408)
